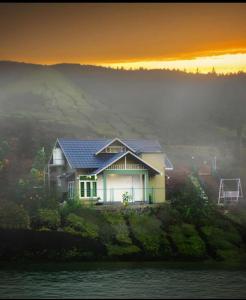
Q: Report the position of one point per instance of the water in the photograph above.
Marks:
(121, 280)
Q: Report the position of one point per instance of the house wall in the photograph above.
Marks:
(157, 182)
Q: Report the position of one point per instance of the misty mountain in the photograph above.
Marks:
(89, 101)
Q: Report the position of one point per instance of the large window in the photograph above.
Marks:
(88, 187)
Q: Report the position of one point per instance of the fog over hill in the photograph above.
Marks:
(88, 101)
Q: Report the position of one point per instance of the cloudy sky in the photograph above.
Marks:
(162, 35)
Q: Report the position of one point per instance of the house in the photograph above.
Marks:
(106, 170)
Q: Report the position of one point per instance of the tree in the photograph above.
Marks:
(13, 216)
(4, 166)
(26, 141)
(213, 71)
(40, 160)
(31, 190)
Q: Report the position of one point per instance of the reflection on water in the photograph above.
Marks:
(121, 280)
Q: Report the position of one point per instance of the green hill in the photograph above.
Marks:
(39, 103)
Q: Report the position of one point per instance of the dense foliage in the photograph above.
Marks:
(188, 227)
(13, 216)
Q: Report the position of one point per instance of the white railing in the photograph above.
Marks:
(126, 167)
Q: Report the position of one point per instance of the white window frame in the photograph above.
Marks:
(85, 189)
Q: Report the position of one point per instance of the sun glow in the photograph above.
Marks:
(222, 64)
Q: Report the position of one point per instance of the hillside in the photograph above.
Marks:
(90, 101)
(184, 111)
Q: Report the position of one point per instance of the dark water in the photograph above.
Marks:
(121, 280)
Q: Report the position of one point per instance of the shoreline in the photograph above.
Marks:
(26, 265)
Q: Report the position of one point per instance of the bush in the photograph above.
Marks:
(168, 215)
(47, 218)
(225, 243)
(187, 241)
(192, 207)
(147, 230)
(221, 239)
(237, 216)
(72, 206)
(117, 250)
(118, 223)
(90, 215)
(13, 216)
(79, 224)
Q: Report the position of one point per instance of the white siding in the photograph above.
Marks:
(58, 158)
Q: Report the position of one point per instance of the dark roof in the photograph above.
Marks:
(81, 153)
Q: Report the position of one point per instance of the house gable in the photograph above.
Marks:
(115, 146)
(58, 156)
(121, 161)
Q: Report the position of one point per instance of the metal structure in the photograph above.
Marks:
(230, 191)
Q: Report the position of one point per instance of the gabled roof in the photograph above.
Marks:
(111, 142)
(118, 156)
(80, 154)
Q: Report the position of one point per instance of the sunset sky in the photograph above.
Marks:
(161, 35)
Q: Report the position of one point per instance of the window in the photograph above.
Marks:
(115, 149)
(88, 188)
(86, 177)
(70, 190)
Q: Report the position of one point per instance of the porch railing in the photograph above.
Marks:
(127, 167)
(133, 195)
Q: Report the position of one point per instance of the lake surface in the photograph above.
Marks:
(121, 280)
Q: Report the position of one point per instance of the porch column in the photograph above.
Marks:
(146, 185)
(104, 176)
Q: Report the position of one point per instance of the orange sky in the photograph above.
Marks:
(122, 33)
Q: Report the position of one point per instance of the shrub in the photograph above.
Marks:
(47, 218)
(105, 231)
(225, 243)
(191, 205)
(13, 216)
(72, 206)
(220, 239)
(187, 241)
(119, 225)
(147, 230)
(168, 215)
(237, 216)
(117, 250)
(79, 224)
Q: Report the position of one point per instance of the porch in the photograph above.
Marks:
(119, 184)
